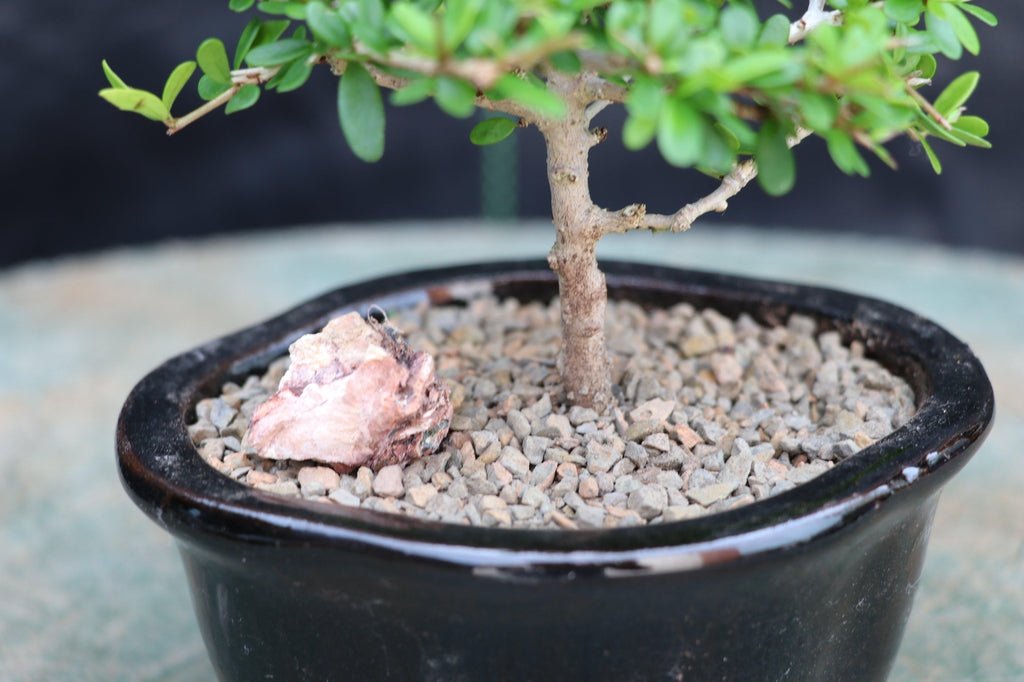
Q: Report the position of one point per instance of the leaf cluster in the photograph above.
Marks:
(709, 82)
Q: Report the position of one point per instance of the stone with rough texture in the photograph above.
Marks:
(354, 394)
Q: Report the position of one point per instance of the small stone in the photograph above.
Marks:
(497, 517)
(543, 475)
(590, 517)
(680, 513)
(709, 431)
(698, 344)
(709, 494)
(539, 409)
(344, 497)
(648, 501)
(388, 482)
(636, 454)
(201, 431)
(845, 448)
(422, 494)
(600, 457)
(581, 415)
(657, 441)
(318, 480)
(288, 488)
(806, 472)
(848, 424)
(533, 496)
(656, 409)
(737, 469)
(726, 368)
(589, 488)
(687, 436)
(863, 440)
(363, 482)
(519, 424)
(515, 462)
(637, 431)
(534, 448)
(257, 478)
(555, 426)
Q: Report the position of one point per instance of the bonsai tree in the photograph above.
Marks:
(715, 84)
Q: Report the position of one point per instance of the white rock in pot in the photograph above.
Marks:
(355, 395)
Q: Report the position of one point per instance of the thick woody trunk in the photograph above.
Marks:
(583, 361)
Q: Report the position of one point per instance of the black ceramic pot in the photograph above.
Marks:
(813, 584)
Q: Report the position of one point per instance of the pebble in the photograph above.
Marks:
(314, 480)
(714, 414)
(388, 482)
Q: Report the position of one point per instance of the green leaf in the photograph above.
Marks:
(361, 113)
(531, 95)
(904, 11)
(681, 133)
(292, 10)
(492, 130)
(112, 78)
(566, 62)
(775, 32)
(776, 167)
(971, 138)
(819, 111)
(844, 153)
(739, 25)
(965, 33)
(209, 88)
(932, 157)
(294, 76)
(459, 18)
(416, 25)
(637, 132)
(455, 97)
(271, 31)
(213, 60)
(973, 125)
(983, 15)
(957, 93)
(327, 25)
(240, 5)
(413, 93)
(139, 101)
(933, 128)
(943, 35)
(245, 42)
(176, 81)
(279, 52)
(927, 66)
(243, 99)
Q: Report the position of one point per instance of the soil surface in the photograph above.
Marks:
(713, 414)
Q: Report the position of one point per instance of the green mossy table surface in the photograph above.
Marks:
(90, 589)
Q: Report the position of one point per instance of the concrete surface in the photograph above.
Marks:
(91, 590)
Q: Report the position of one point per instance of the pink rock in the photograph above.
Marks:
(355, 394)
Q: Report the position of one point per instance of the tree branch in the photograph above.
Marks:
(635, 216)
(812, 18)
(239, 78)
(392, 82)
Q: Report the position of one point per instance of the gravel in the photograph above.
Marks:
(713, 414)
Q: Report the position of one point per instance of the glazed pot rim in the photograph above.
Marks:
(167, 478)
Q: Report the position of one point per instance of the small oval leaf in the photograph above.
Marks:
(176, 81)
(361, 113)
(492, 130)
(112, 78)
(776, 168)
(279, 52)
(138, 101)
(213, 60)
(243, 99)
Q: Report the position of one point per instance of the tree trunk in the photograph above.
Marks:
(583, 360)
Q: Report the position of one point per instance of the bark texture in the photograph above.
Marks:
(583, 359)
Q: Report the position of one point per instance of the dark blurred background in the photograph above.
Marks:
(76, 175)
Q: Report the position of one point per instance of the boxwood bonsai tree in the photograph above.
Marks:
(717, 85)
